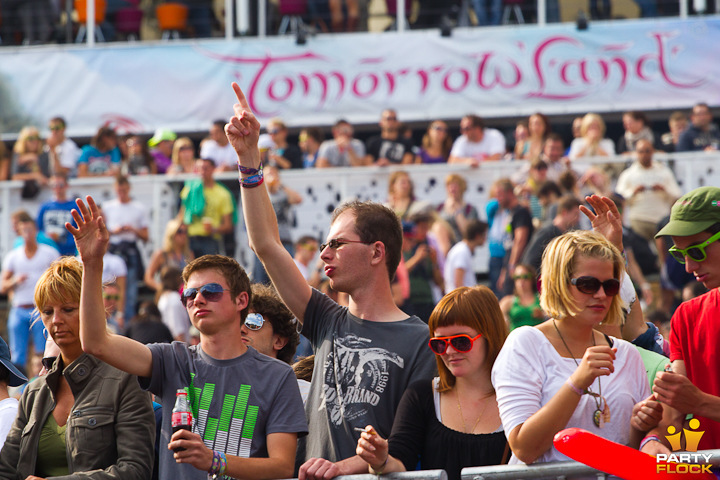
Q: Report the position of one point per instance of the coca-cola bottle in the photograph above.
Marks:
(181, 415)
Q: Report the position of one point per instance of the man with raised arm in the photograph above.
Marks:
(366, 353)
(247, 410)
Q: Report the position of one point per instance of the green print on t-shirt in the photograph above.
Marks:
(232, 433)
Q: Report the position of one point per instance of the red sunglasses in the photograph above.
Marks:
(461, 343)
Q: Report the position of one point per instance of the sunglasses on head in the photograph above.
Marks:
(461, 343)
(212, 292)
(48, 362)
(590, 285)
(695, 252)
(254, 321)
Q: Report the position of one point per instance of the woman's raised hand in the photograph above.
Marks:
(91, 235)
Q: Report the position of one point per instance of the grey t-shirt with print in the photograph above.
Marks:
(235, 403)
(361, 370)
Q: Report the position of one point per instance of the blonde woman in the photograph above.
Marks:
(183, 157)
(29, 162)
(592, 141)
(455, 210)
(452, 422)
(563, 372)
(436, 144)
(175, 252)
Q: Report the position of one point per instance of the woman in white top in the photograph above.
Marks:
(563, 373)
(591, 142)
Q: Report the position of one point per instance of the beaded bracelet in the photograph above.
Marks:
(648, 439)
(218, 466)
(249, 170)
(574, 388)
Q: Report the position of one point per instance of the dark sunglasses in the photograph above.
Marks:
(339, 242)
(461, 343)
(181, 231)
(56, 127)
(254, 321)
(111, 297)
(48, 362)
(590, 285)
(695, 252)
(212, 292)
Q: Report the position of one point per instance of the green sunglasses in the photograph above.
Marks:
(695, 252)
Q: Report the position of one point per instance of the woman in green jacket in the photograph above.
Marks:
(84, 416)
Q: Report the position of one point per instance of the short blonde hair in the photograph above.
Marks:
(455, 178)
(558, 268)
(475, 307)
(61, 283)
(180, 143)
(588, 120)
(20, 146)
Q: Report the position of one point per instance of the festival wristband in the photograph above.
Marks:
(575, 389)
(249, 170)
(648, 439)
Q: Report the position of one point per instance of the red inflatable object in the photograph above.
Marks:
(619, 460)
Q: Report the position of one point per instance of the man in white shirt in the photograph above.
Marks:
(127, 221)
(649, 188)
(306, 249)
(63, 152)
(21, 269)
(217, 148)
(458, 270)
(477, 143)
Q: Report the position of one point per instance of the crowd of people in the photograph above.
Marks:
(411, 361)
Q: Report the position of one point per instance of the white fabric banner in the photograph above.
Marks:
(502, 71)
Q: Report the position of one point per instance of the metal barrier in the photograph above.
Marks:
(557, 470)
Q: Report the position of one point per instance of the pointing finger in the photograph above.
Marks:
(241, 97)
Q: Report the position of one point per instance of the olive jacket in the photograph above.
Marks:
(110, 430)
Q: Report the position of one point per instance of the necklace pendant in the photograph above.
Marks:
(597, 418)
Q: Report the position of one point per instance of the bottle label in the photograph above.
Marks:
(181, 418)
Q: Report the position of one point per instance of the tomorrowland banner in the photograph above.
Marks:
(493, 72)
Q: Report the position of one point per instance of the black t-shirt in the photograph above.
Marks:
(393, 150)
(292, 154)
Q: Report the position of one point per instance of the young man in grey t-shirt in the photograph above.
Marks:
(246, 406)
(365, 354)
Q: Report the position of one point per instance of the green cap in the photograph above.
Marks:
(161, 134)
(693, 213)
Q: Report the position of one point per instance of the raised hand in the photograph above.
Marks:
(243, 130)
(606, 220)
(91, 234)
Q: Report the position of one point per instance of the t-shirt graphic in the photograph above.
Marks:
(363, 376)
(232, 433)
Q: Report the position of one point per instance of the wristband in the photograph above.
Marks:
(218, 466)
(381, 469)
(252, 184)
(575, 389)
(250, 171)
(648, 439)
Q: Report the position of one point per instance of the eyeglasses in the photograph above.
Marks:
(390, 119)
(181, 231)
(186, 147)
(254, 321)
(461, 343)
(48, 362)
(274, 131)
(56, 127)
(695, 252)
(590, 285)
(212, 292)
(339, 242)
(111, 297)
(439, 128)
(522, 276)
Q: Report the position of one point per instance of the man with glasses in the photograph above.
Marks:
(649, 189)
(366, 354)
(246, 407)
(693, 385)
(388, 148)
(477, 143)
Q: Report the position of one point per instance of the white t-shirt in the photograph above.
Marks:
(579, 143)
(303, 269)
(528, 372)
(117, 214)
(174, 315)
(17, 262)
(8, 412)
(492, 142)
(459, 256)
(113, 267)
(220, 155)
